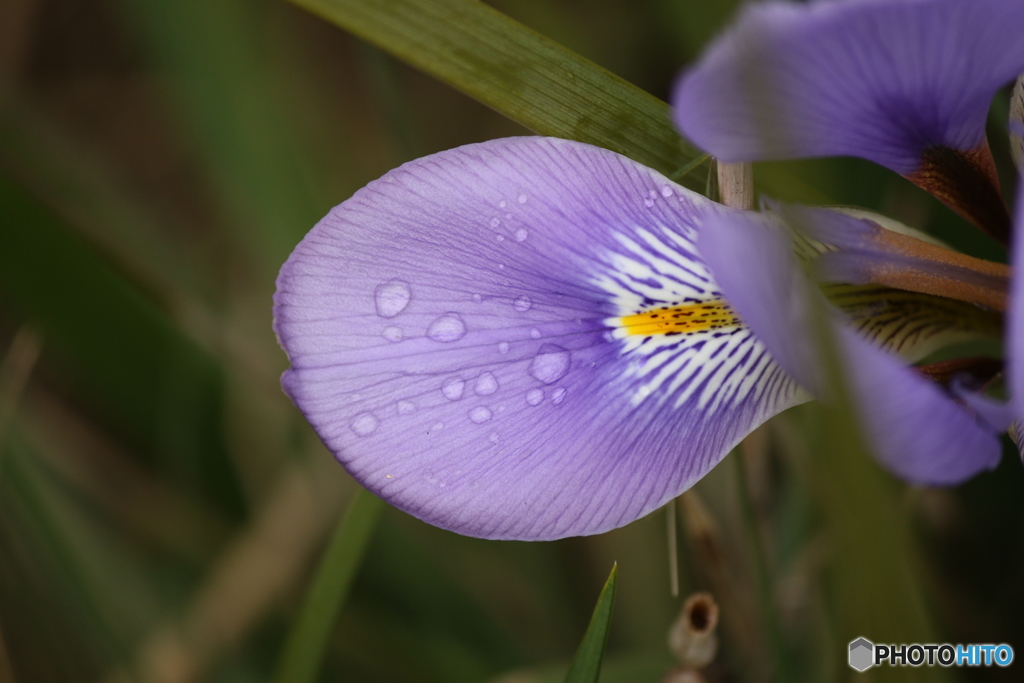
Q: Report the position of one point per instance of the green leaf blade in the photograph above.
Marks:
(519, 73)
(586, 667)
(307, 641)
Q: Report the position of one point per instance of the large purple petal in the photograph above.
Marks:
(916, 430)
(460, 337)
(879, 79)
(1010, 414)
(1014, 345)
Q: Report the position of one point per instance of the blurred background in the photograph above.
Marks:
(163, 505)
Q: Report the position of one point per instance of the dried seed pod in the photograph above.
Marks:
(683, 675)
(692, 637)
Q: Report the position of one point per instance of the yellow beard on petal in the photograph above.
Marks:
(673, 320)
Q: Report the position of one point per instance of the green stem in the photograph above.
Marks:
(673, 548)
(770, 620)
(877, 586)
(307, 641)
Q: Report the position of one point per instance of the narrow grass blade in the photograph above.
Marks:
(519, 73)
(586, 667)
(304, 649)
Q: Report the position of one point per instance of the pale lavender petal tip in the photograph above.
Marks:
(456, 339)
(915, 430)
(876, 79)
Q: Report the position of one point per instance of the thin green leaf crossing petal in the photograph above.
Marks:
(521, 74)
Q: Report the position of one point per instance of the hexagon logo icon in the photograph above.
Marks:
(862, 654)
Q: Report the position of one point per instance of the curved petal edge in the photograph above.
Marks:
(519, 340)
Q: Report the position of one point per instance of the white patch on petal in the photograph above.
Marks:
(712, 368)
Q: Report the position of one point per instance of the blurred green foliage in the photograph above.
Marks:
(163, 506)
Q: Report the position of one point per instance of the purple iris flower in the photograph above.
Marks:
(518, 340)
(904, 83)
(1010, 414)
(915, 428)
(907, 84)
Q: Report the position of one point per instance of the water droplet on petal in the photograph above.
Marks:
(666, 191)
(500, 238)
(535, 333)
(479, 415)
(448, 328)
(503, 347)
(495, 222)
(502, 204)
(391, 298)
(648, 203)
(392, 333)
(522, 303)
(522, 234)
(521, 199)
(477, 298)
(501, 266)
(406, 407)
(550, 364)
(453, 388)
(365, 424)
(535, 396)
(486, 384)
(436, 428)
(558, 395)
